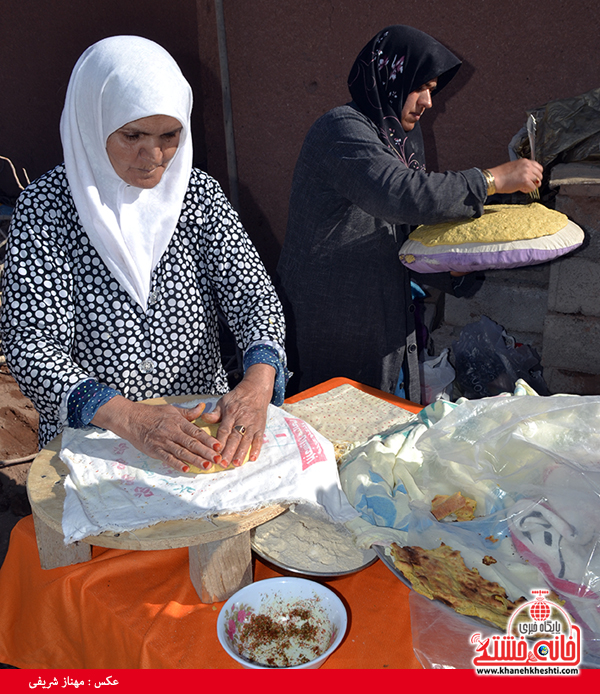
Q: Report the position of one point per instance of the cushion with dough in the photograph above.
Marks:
(505, 236)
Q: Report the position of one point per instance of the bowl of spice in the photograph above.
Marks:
(282, 623)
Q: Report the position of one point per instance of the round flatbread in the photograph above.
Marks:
(212, 429)
(498, 224)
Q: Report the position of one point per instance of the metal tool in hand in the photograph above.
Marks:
(535, 194)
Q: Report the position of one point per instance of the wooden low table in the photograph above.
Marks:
(219, 548)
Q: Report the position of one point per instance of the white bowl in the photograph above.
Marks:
(276, 597)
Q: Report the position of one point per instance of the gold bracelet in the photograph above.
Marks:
(490, 180)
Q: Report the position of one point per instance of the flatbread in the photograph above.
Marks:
(212, 429)
(441, 574)
(461, 506)
(498, 224)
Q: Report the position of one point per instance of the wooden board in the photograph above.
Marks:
(45, 488)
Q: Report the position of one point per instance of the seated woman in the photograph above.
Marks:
(359, 187)
(116, 264)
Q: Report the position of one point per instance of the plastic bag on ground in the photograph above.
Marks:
(437, 377)
(488, 361)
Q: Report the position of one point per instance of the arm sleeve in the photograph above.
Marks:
(85, 400)
(37, 309)
(357, 164)
(265, 353)
(244, 289)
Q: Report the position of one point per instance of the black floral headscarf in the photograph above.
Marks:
(397, 61)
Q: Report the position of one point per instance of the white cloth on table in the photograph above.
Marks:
(113, 487)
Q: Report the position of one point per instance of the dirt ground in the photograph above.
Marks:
(18, 446)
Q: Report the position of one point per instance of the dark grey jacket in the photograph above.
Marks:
(352, 205)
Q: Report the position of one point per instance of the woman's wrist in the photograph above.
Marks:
(267, 355)
(113, 415)
(490, 181)
(261, 377)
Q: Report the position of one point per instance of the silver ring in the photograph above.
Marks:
(241, 430)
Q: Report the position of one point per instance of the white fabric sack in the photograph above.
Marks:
(112, 486)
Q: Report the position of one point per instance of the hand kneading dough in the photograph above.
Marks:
(212, 430)
(498, 224)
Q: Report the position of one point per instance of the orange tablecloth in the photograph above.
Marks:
(126, 609)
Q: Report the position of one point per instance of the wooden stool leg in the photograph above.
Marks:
(52, 549)
(218, 569)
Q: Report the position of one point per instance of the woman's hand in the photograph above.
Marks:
(522, 174)
(166, 432)
(163, 432)
(244, 407)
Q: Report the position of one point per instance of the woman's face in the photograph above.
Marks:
(140, 151)
(415, 105)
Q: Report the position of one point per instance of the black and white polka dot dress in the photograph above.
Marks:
(65, 318)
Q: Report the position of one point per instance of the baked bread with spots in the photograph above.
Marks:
(441, 574)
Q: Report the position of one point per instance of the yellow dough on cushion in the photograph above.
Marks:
(212, 430)
(498, 224)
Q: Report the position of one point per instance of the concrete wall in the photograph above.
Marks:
(571, 357)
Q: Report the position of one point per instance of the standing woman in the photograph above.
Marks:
(116, 263)
(360, 186)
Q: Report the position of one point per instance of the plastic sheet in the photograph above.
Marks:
(532, 465)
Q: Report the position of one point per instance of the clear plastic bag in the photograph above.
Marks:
(437, 377)
(532, 465)
(442, 638)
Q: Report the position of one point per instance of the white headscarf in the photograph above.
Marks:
(116, 81)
